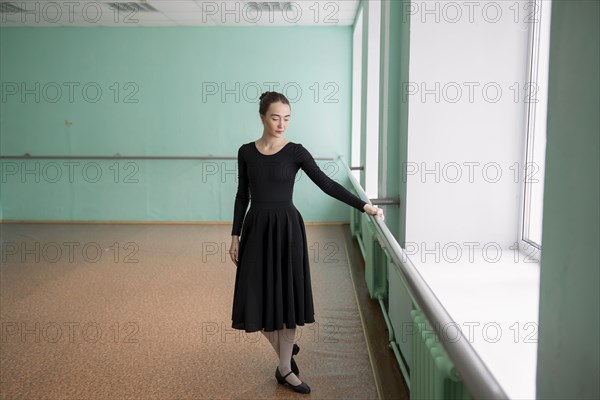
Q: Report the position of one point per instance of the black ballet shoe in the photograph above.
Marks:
(295, 351)
(295, 369)
(301, 388)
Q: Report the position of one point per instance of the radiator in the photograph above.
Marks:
(432, 374)
(375, 261)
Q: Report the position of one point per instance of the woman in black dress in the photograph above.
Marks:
(272, 292)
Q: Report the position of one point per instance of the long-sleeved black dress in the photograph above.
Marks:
(272, 283)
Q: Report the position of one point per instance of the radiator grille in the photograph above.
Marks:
(432, 374)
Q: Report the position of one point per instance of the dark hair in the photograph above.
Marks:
(270, 97)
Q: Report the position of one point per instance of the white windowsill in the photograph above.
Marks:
(496, 304)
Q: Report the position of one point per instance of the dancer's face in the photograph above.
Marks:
(277, 119)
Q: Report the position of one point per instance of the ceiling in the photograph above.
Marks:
(120, 13)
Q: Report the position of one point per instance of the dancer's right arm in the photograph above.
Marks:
(242, 199)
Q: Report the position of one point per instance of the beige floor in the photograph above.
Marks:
(143, 312)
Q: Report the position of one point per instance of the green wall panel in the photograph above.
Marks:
(153, 91)
(568, 348)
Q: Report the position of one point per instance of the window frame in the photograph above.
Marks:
(533, 104)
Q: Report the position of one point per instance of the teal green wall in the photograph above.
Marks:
(569, 323)
(160, 111)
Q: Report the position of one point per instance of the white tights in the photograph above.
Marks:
(283, 343)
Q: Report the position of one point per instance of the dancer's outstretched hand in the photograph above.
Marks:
(374, 210)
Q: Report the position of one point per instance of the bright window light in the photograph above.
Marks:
(356, 93)
(373, 64)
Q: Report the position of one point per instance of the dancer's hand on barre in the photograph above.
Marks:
(374, 210)
(233, 250)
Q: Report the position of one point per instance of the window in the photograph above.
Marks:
(356, 93)
(537, 104)
(372, 123)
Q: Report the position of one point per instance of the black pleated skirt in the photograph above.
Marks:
(272, 282)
